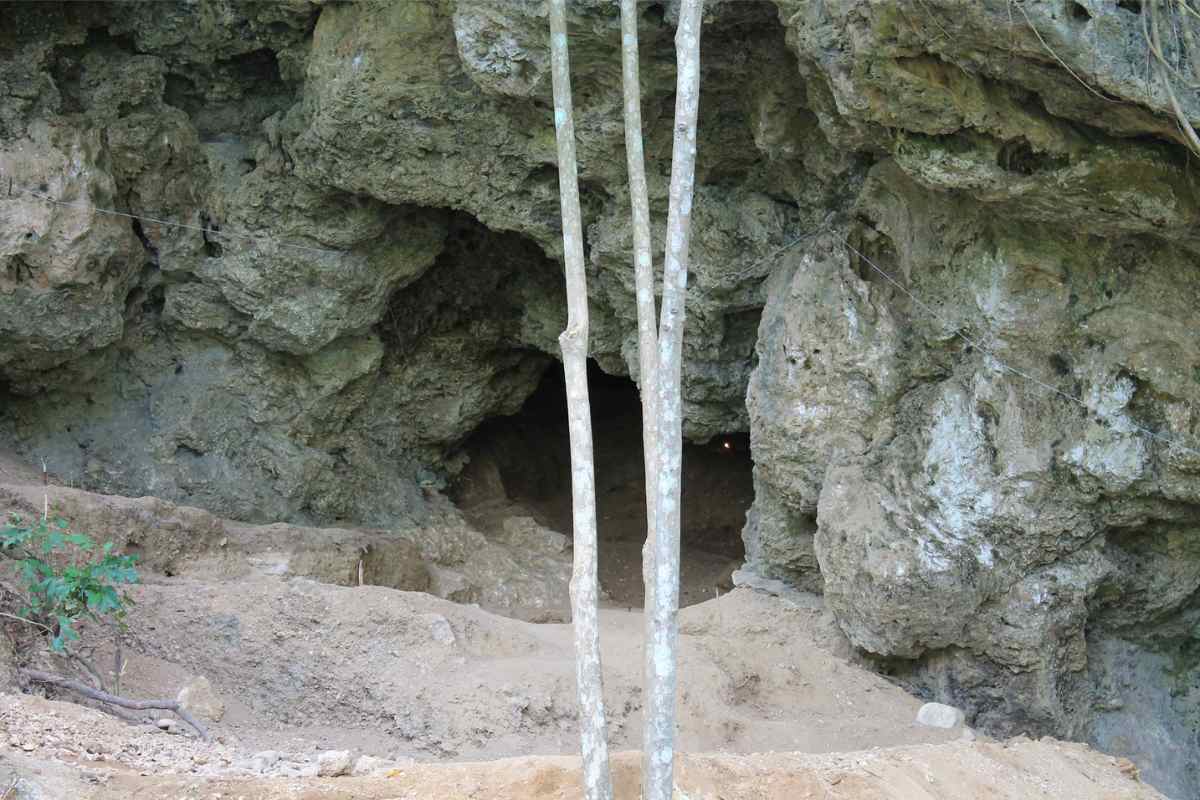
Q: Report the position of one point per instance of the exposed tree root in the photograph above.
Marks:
(174, 706)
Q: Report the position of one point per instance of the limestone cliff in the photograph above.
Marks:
(364, 268)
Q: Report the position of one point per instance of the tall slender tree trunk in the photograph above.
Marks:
(659, 744)
(574, 343)
(647, 313)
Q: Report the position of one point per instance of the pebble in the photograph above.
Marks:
(333, 763)
(439, 628)
(939, 715)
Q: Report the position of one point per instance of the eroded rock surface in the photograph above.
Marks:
(364, 269)
(988, 452)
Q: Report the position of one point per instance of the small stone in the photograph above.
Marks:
(199, 698)
(939, 715)
(440, 628)
(333, 763)
(28, 747)
(165, 724)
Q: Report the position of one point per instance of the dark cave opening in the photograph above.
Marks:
(521, 465)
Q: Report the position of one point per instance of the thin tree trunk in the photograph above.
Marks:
(597, 781)
(647, 313)
(659, 744)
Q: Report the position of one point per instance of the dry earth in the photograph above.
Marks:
(403, 682)
(1018, 770)
(306, 667)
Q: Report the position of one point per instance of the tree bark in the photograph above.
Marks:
(597, 780)
(647, 312)
(659, 741)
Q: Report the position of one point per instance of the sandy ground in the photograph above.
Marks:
(436, 692)
(417, 682)
(308, 666)
(1017, 770)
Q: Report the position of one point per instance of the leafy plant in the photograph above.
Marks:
(66, 577)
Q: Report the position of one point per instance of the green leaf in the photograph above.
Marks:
(11, 536)
(80, 540)
(53, 541)
(103, 600)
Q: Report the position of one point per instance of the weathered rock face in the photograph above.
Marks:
(365, 269)
(963, 447)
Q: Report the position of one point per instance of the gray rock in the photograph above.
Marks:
(439, 628)
(746, 578)
(938, 715)
(199, 698)
(334, 763)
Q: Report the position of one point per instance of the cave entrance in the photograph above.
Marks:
(521, 465)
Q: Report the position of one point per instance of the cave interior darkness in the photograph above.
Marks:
(520, 465)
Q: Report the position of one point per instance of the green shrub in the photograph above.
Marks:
(65, 577)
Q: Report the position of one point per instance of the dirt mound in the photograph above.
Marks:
(307, 666)
(399, 680)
